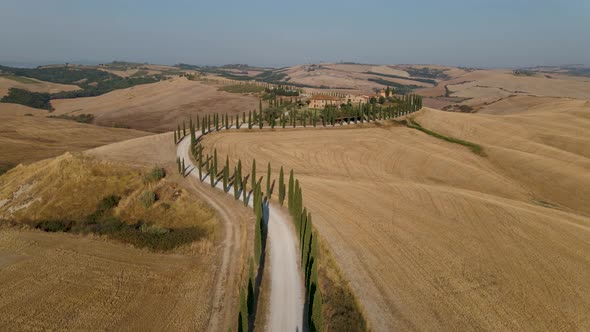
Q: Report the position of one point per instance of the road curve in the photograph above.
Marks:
(286, 284)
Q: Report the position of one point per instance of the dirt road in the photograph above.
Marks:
(286, 300)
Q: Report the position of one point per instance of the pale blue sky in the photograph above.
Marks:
(499, 33)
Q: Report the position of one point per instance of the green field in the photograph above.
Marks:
(20, 79)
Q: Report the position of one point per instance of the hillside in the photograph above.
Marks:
(7, 82)
(434, 237)
(157, 107)
(26, 134)
(101, 263)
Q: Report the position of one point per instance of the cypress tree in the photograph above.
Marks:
(183, 129)
(281, 186)
(253, 185)
(175, 139)
(245, 192)
(179, 137)
(226, 174)
(240, 169)
(178, 164)
(214, 168)
(260, 122)
(291, 192)
(193, 136)
(236, 184)
(258, 228)
(296, 210)
(244, 117)
(183, 168)
(200, 168)
(268, 193)
(198, 125)
(249, 119)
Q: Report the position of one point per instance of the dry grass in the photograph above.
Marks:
(69, 187)
(157, 107)
(434, 237)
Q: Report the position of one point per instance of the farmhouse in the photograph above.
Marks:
(321, 101)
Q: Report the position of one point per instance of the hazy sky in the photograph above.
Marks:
(491, 33)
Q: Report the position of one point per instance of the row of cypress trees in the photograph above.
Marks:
(309, 251)
(247, 293)
(329, 116)
(301, 216)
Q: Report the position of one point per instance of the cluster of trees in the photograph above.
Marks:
(32, 99)
(92, 82)
(399, 88)
(81, 118)
(427, 72)
(282, 91)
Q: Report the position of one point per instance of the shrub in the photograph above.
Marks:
(108, 202)
(148, 198)
(154, 175)
(54, 226)
(153, 229)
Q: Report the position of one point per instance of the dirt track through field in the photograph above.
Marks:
(286, 299)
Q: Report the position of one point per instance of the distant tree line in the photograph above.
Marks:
(92, 82)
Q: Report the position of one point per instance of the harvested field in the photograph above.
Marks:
(87, 281)
(434, 237)
(67, 282)
(26, 138)
(157, 107)
(7, 82)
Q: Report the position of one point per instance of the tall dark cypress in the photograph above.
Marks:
(253, 185)
(291, 192)
(268, 193)
(281, 186)
(226, 174)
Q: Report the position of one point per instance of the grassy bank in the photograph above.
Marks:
(475, 148)
(82, 195)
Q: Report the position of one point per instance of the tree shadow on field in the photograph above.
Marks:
(261, 262)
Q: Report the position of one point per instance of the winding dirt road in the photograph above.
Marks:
(286, 299)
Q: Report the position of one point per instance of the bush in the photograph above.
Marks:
(54, 226)
(155, 174)
(153, 229)
(148, 198)
(81, 118)
(109, 202)
(5, 168)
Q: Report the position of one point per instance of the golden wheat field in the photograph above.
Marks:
(432, 236)
(157, 107)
